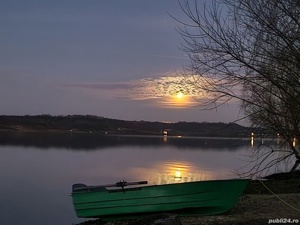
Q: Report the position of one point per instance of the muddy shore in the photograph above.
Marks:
(276, 200)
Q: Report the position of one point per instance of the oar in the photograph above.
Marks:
(121, 184)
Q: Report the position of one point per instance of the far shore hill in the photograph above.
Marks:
(96, 124)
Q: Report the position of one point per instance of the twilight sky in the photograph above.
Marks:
(116, 59)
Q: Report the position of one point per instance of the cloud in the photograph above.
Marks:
(166, 86)
(101, 86)
(163, 90)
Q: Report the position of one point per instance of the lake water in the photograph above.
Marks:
(37, 171)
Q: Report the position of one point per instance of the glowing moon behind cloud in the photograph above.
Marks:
(169, 91)
(179, 95)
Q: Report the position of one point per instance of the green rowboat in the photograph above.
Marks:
(123, 200)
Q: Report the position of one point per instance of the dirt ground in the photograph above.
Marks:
(254, 209)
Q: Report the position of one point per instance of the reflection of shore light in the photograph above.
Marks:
(294, 142)
(252, 141)
(165, 138)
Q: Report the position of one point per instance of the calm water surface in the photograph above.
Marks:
(37, 171)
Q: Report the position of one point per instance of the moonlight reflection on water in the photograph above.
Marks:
(167, 172)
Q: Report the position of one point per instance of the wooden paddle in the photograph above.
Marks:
(122, 184)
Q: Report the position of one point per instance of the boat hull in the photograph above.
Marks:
(192, 198)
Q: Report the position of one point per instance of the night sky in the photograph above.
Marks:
(117, 59)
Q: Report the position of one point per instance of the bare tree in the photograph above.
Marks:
(248, 50)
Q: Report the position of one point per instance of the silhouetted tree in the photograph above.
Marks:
(248, 50)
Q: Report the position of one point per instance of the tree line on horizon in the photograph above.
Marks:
(89, 123)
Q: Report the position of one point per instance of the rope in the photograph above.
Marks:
(279, 197)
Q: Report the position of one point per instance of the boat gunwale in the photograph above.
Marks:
(162, 185)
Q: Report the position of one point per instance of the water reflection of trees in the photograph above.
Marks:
(93, 141)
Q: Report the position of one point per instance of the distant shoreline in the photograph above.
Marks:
(101, 125)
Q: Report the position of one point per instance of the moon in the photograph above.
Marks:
(179, 95)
